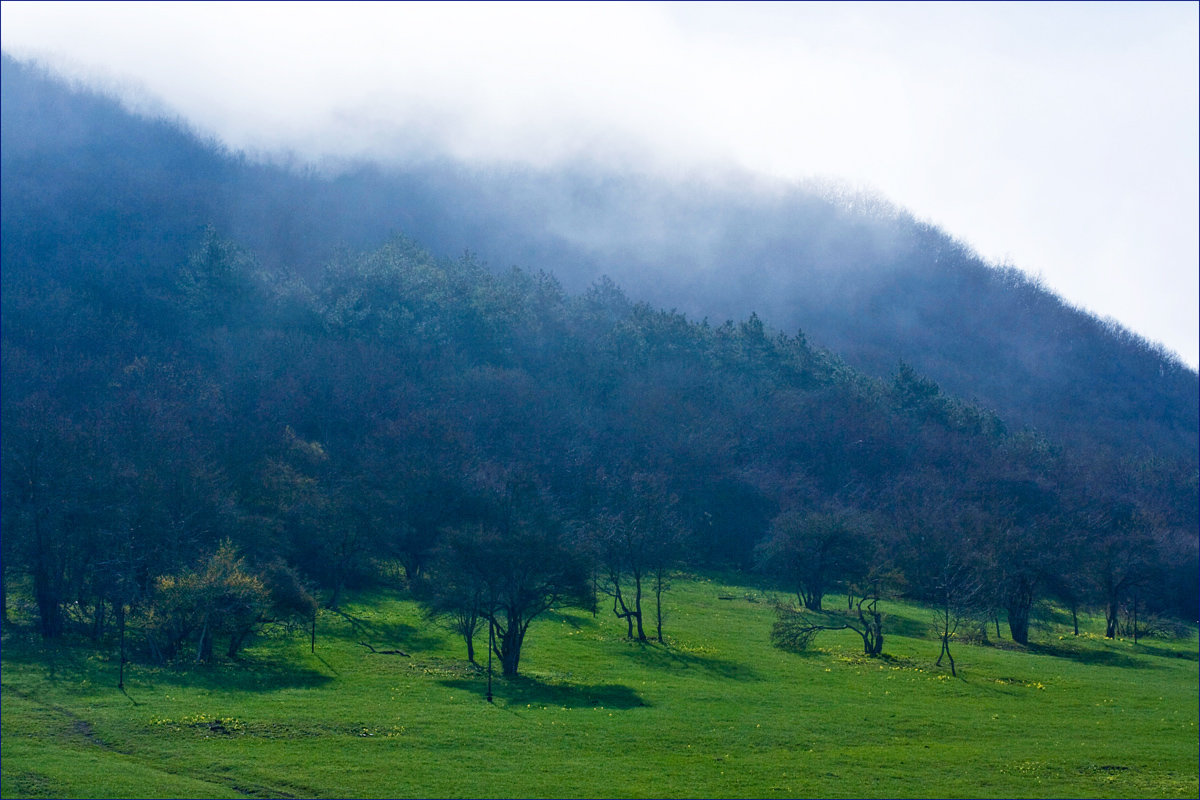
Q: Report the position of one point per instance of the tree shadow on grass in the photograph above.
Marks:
(22, 646)
(653, 654)
(525, 690)
(384, 634)
(1163, 652)
(895, 625)
(80, 668)
(1106, 658)
(248, 673)
(572, 619)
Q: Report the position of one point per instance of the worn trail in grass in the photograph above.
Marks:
(715, 712)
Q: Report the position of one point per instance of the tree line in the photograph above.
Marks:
(87, 182)
(200, 448)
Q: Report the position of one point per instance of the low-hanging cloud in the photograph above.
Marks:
(1060, 138)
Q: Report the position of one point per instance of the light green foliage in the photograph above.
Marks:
(219, 598)
(717, 712)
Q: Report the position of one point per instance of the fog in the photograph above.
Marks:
(1059, 138)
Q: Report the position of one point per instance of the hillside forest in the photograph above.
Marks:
(217, 416)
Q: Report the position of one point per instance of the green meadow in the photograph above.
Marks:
(715, 712)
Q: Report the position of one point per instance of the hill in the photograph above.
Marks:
(860, 278)
(236, 411)
(170, 388)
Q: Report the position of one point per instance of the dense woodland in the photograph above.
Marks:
(217, 415)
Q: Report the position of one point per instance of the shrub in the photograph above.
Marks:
(220, 598)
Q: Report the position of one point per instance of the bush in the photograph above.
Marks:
(1155, 627)
(219, 599)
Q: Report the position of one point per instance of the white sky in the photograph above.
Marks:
(1063, 139)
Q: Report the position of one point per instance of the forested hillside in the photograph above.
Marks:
(217, 373)
(858, 276)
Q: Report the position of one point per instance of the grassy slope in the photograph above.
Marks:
(717, 713)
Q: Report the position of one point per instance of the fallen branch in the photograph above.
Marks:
(385, 652)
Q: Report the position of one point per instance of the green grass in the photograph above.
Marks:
(716, 712)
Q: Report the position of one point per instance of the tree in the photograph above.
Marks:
(635, 539)
(662, 582)
(795, 629)
(55, 498)
(452, 597)
(290, 600)
(958, 591)
(221, 597)
(1122, 560)
(33, 482)
(811, 550)
(218, 281)
(321, 513)
(517, 566)
(1021, 516)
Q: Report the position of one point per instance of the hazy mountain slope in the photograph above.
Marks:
(197, 348)
(867, 281)
(860, 278)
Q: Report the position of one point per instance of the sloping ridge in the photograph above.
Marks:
(856, 275)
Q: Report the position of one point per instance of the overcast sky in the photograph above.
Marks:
(1063, 139)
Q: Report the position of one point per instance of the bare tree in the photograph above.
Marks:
(635, 541)
(453, 598)
(958, 591)
(795, 629)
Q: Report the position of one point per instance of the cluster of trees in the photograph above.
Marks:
(208, 446)
(234, 422)
(861, 277)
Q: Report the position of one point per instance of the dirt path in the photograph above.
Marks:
(82, 730)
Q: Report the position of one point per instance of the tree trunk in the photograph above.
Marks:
(876, 629)
(511, 638)
(812, 599)
(871, 630)
(637, 605)
(658, 590)
(121, 627)
(49, 612)
(624, 611)
(946, 652)
(595, 593)
(1111, 610)
(1135, 620)
(1020, 601)
(236, 639)
(49, 608)
(98, 619)
(204, 646)
(510, 655)
(412, 564)
(1018, 625)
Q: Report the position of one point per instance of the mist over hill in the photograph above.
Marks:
(854, 274)
(208, 358)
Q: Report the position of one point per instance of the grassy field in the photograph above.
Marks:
(716, 712)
